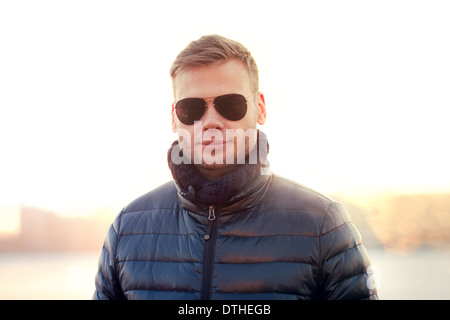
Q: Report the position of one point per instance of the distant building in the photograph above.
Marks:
(42, 230)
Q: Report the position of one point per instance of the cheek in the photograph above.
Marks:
(251, 117)
(185, 134)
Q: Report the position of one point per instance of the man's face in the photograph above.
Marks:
(208, 136)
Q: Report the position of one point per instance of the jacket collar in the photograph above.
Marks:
(248, 198)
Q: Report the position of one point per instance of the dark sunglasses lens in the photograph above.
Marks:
(190, 110)
(231, 106)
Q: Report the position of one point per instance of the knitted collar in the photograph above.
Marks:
(218, 191)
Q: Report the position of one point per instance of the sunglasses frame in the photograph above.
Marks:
(214, 99)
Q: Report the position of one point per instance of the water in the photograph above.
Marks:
(54, 276)
(423, 274)
(419, 275)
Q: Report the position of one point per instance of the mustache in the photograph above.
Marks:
(239, 146)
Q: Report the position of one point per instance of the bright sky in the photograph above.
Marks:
(358, 95)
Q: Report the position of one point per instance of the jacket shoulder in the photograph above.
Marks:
(151, 207)
(290, 195)
(164, 196)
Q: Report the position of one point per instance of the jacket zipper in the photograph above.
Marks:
(208, 255)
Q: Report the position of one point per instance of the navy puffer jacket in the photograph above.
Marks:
(277, 240)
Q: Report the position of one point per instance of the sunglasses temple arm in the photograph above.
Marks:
(248, 99)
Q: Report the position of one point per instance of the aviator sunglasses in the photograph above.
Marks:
(230, 106)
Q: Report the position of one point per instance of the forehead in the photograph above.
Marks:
(213, 80)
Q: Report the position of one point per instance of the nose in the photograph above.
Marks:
(211, 118)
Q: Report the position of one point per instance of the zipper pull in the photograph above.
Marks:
(211, 213)
(211, 217)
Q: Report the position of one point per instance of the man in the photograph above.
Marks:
(226, 228)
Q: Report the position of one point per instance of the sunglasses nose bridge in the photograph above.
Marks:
(209, 105)
(211, 117)
(207, 101)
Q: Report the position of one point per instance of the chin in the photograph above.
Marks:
(214, 161)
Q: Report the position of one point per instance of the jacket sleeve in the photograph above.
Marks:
(344, 262)
(107, 285)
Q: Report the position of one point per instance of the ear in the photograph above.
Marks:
(174, 125)
(262, 113)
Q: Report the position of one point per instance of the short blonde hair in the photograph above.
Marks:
(213, 49)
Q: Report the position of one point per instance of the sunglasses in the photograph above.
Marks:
(230, 106)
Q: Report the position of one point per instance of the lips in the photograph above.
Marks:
(213, 142)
